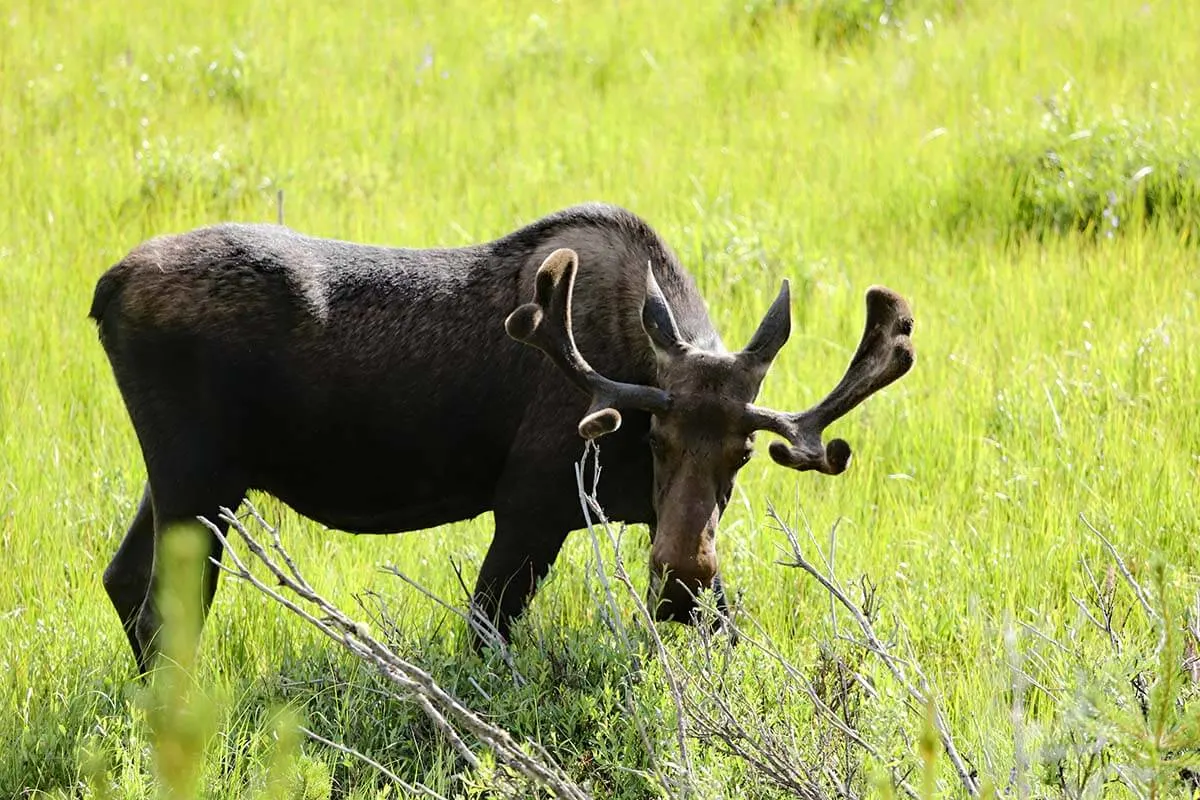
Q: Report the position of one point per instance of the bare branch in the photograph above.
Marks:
(438, 705)
(1142, 596)
(594, 514)
(475, 620)
(610, 601)
(663, 779)
(919, 691)
(387, 773)
(709, 711)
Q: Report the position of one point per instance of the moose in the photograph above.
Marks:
(373, 389)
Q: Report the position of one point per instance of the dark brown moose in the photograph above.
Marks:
(374, 390)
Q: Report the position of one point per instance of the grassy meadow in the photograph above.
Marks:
(1027, 174)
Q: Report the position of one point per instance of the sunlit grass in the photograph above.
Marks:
(1056, 373)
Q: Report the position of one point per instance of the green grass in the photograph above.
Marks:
(1057, 367)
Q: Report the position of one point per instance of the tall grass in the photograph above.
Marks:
(1056, 365)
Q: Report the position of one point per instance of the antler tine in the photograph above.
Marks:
(884, 355)
(545, 324)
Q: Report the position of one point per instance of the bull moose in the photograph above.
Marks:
(373, 389)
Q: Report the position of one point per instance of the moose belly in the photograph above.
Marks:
(378, 480)
(361, 501)
(402, 443)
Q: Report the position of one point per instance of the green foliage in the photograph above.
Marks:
(169, 171)
(1101, 176)
(841, 24)
(179, 719)
(802, 140)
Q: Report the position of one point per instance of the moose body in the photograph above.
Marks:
(380, 390)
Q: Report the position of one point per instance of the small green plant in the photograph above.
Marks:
(139, 79)
(182, 719)
(171, 169)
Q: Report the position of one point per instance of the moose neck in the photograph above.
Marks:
(610, 287)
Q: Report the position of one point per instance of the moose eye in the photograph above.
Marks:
(655, 442)
(745, 459)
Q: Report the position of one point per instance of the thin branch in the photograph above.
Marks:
(614, 612)
(437, 704)
(894, 665)
(476, 621)
(705, 707)
(419, 788)
(1142, 596)
(662, 777)
(593, 516)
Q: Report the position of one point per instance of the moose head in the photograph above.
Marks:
(704, 419)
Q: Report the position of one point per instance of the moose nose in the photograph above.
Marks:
(671, 596)
(683, 552)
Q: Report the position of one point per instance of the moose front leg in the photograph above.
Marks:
(520, 555)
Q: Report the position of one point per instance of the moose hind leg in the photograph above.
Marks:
(191, 476)
(169, 516)
(127, 577)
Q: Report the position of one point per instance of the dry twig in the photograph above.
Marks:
(593, 514)
(419, 788)
(1141, 594)
(919, 692)
(445, 711)
(706, 708)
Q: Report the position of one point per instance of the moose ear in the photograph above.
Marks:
(772, 332)
(658, 320)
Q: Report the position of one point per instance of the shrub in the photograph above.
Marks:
(169, 171)
(844, 23)
(1098, 176)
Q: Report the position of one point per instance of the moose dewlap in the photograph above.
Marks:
(379, 390)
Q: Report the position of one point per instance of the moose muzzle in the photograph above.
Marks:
(683, 561)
